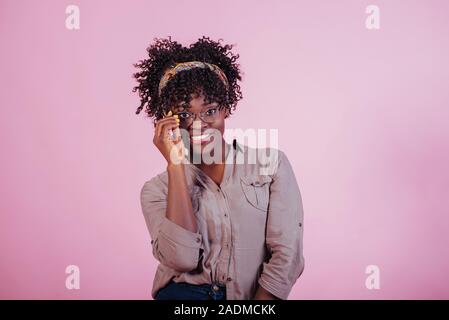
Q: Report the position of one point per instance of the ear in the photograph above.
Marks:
(227, 112)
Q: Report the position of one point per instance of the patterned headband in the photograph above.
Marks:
(190, 65)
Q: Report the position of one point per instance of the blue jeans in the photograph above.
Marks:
(186, 291)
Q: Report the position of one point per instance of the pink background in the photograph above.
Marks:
(362, 115)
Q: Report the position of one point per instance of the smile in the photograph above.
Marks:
(201, 138)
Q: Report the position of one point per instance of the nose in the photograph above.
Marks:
(198, 126)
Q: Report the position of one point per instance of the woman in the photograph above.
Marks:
(222, 226)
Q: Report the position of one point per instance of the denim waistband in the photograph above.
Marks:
(186, 291)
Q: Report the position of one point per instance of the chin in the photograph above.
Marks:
(198, 147)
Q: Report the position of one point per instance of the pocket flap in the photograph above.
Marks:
(256, 180)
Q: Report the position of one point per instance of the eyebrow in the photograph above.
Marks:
(186, 106)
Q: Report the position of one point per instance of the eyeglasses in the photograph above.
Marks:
(209, 116)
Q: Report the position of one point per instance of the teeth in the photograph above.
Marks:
(201, 137)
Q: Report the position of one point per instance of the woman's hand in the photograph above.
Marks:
(172, 150)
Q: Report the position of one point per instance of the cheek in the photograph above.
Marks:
(219, 124)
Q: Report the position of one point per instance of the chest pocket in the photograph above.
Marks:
(256, 189)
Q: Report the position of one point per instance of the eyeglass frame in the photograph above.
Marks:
(200, 114)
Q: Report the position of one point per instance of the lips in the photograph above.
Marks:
(202, 138)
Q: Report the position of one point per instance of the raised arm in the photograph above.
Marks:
(168, 208)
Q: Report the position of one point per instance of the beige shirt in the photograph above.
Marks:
(250, 227)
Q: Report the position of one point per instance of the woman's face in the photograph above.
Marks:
(206, 129)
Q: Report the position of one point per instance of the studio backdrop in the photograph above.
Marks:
(356, 91)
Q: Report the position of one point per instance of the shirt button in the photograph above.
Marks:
(198, 240)
(226, 214)
(229, 279)
(300, 224)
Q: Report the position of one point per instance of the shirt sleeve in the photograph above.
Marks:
(284, 237)
(173, 245)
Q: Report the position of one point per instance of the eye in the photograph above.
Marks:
(211, 112)
(183, 115)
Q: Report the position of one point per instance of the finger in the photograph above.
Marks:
(162, 127)
(166, 128)
(177, 133)
(161, 123)
(179, 141)
(175, 116)
(166, 119)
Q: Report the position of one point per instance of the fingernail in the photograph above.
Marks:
(169, 113)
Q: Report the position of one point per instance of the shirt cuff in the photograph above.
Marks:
(180, 235)
(279, 290)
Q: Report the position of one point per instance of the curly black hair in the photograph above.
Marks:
(164, 53)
